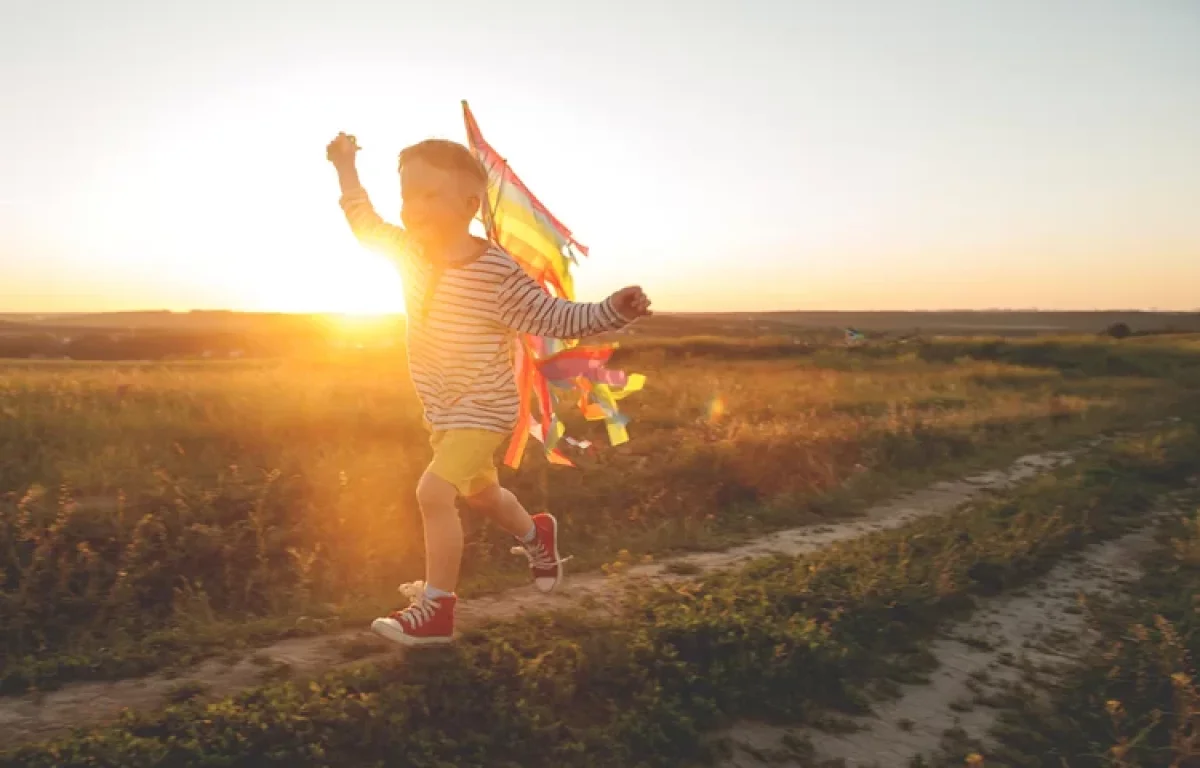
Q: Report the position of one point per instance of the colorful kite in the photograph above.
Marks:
(549, 371)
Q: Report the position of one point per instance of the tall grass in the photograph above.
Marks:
(776, 639)
(155, 511)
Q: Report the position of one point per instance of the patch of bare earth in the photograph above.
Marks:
(43, 715)
(1042, 628)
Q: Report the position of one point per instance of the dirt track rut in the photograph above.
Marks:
(1042, 626)
(40, 716)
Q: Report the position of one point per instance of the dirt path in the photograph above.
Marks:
(1042, 626)
(35, 717)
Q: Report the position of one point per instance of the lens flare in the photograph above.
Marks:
(716, 408)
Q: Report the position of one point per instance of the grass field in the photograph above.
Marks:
(158, 513)
(781, 639)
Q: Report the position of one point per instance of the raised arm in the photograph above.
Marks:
(521, 304)
(368, 226)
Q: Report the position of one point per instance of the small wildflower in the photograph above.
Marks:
(975, 759)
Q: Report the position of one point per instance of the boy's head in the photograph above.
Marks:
(441, 187)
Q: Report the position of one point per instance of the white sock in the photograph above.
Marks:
(433, 593)
(529, 537)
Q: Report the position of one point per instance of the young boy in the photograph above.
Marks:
(465, 299)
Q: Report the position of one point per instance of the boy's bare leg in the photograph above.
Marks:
(430, 617)
(505, 510)
(538, 535)
(443, 532)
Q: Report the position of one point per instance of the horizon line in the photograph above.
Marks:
(660, 313)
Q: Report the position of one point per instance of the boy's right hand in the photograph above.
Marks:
(341, 150)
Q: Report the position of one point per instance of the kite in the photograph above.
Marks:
(548, 371)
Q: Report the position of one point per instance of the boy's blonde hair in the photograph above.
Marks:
(448, 156)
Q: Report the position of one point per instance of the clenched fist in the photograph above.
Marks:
(341, 150)
(631, 303)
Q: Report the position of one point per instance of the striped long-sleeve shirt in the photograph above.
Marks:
(460, 335)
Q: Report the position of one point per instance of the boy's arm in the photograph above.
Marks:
(368, 227)
(523, 305)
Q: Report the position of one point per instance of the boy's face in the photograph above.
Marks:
(437, 205)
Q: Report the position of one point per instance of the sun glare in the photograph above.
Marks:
(359, 285)
(276, 241)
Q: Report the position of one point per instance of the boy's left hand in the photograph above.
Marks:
(631, 303)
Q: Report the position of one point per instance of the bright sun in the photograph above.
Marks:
(367, 285)
(358, 284)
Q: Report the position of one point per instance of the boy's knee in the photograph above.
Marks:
(435, 495)
(487, 499)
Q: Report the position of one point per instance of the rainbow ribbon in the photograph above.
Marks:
(548, 371)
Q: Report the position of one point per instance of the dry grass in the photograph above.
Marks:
(153, 508)
(778, 640)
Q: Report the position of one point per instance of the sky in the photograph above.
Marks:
(726, 156)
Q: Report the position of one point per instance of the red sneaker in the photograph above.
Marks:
(544, 561)
(427, 621)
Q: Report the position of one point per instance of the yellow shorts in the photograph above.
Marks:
(466, 458)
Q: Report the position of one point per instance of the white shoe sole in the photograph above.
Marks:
(562, 569)
(390, 629)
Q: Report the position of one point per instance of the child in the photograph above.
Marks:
(465, 298)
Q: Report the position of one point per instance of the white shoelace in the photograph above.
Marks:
(412, 590)
(422, 608)
(538, 556)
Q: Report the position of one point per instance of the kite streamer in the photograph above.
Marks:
(548, 371)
